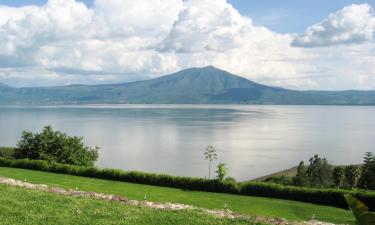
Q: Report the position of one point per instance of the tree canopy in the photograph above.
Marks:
(56, 146)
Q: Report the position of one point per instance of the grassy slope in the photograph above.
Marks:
(288, 173)
(21, 206)
(244, 204)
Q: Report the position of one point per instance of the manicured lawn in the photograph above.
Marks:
(290, 210)
(21, 206)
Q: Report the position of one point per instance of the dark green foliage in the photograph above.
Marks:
(301, 179)
(7, 152)
(338, 176)
(332, 197)
(367, 180)
(55, 146)
(352, 174)
(319, 172)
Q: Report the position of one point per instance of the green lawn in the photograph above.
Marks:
(30, 207)
(290, 210)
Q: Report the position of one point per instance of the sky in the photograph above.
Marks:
(314, 45)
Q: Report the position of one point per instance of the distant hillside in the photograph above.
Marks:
(287, 173)
(207, 85)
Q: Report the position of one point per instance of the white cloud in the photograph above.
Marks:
(64, 41)
(206, 25)
(353, 24)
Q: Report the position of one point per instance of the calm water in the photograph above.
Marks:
(252, 140)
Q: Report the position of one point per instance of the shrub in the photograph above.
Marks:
(7, 152)
(55, 146)
(230, 180)
(331, 197)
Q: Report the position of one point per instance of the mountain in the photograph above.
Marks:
(2, 85)
(207, 85)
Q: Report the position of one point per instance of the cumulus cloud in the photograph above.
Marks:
(353, 24)
(206, 25)
(65, 41)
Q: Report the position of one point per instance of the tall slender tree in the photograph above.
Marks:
(338, 176)
(210, 155)
(352, 174)
(301, 178)
(367, 179)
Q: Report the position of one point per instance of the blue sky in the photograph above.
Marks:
(285, 16)
(299, 44)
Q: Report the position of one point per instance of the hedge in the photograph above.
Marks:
(329, 196)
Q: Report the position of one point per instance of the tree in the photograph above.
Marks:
(222, 171)
(301, 179)
(55, 146)
(210, 155)
(319, 172)
(338, 176)
(367, 179)
(352, 174)
(326, 173)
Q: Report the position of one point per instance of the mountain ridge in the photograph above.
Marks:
(207, 85)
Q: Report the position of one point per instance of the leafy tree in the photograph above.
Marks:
(222, 171)
(338, 176)
(210, 155)
(367, 179)
(326, 173)
(319, 172)
(352, 174)
(301, 179)
(55, 146)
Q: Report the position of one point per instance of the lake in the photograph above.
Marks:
(252, 140)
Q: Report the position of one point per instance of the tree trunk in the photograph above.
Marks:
(209, 170)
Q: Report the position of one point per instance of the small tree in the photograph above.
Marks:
(222, 171)
(210, 155)
(352, 174)
(301, 178)
(338, 176)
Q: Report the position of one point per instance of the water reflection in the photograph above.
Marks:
(252, 140)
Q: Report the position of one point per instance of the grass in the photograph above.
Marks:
(249, 205)
(21, 206)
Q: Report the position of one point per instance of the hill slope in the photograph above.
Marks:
(195, 85)
(23, 206)
(246, 205)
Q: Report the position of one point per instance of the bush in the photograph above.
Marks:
(55, 146)
(331, 197)
(7, 152)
